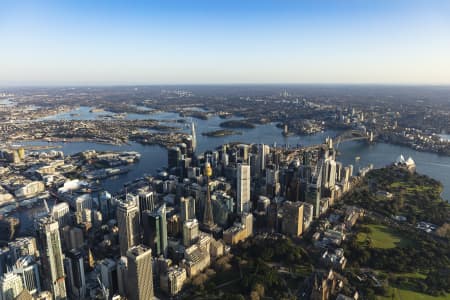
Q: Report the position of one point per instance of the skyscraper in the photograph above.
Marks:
(108, 272)
(140, 274)
(146, 201)
(10, 286)
(173, 156)
(313, 193)
(75, 274)
(152, 237)
(155, 230)
(263, 151)
(243, 188)
(61, 213)
(187, 208)
(194, 137)
(292, 223)
(27, 269)
(190, 232)
(104, 200)
(163, 227)
(128, 222)
(51, 257)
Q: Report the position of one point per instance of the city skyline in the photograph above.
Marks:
(172, 42)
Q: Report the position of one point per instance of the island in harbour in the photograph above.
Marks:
(237, 124)
(221, 132)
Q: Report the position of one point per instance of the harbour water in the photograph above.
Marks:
(155, 157)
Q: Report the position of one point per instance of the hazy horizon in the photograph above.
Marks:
(116, 43)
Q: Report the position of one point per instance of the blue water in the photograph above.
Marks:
(154, 157)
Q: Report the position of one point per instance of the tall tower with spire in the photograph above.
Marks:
(208, 219)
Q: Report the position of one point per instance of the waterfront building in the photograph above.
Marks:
(173, 157)
(30, 189)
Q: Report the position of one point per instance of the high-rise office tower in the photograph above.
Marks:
(190, 232)
(194, 137)
(51, 257)
(75, 274)
(313, 192)
(28, 270)
(263, 151)
(187, 205)
(108, 272)
(122, 275)
(163, 227)
(243, 153)
(128, 223)
(292, 223)
(140, 275)
(155, 230)
(329, 173)
(61, 213)
(173, 156)
(243, 188)
(10, 286)
(5, 260)
(104, 200)
(146, 201)
(151, 237)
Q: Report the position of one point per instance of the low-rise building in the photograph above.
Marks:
(196, 260)
(173, 280)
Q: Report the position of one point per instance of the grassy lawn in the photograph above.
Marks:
(401, 294)
(383, 237)
(405, 292)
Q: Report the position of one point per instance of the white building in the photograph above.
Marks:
(190, 232)
(10, 286)
(61, 213)
(243, 188)
(27, 269)
(30, 189)
(173, 280)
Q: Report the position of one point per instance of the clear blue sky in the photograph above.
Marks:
(234, 41)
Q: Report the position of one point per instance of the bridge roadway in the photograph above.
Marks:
(351, 135)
